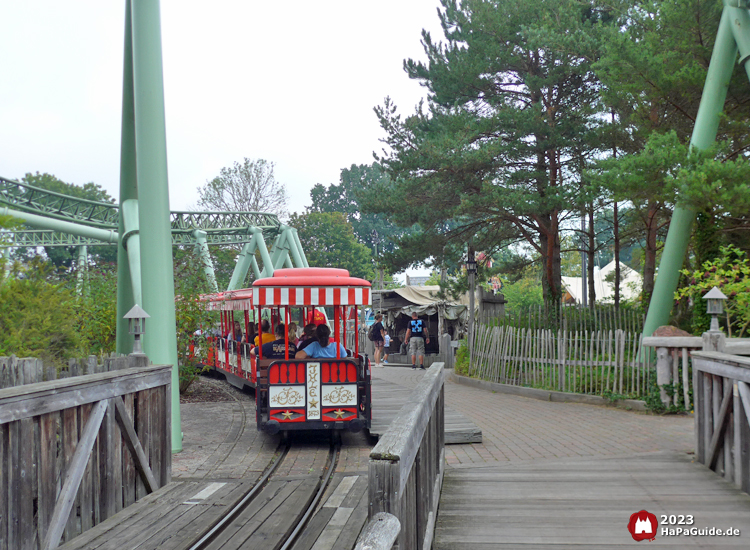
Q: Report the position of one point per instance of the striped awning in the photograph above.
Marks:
(310, 296)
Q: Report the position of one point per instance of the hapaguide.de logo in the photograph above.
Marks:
(643, 525)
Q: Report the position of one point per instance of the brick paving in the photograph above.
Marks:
(521, 429)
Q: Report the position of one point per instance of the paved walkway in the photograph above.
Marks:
(518, 428)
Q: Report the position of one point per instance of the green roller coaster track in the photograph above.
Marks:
(62, 220)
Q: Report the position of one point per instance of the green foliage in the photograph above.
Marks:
(191, 316)
(37, 314)
(523, 294)
(96, 308)
(346, 198)
(731, 273)
(462, 359)
(329, 241)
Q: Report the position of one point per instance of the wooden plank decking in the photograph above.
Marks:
(387, 400)
(560, 504)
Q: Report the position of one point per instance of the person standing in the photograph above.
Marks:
(416, 336)
(378, 338)
(387, 346)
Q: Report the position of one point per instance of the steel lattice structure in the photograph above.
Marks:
(227, 228)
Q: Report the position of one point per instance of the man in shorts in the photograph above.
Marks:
(416, 336)
(378, 338)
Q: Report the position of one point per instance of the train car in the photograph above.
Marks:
(301, 394)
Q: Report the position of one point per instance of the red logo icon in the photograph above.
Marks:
(643, 526)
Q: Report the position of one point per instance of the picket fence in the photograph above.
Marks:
(593, 362)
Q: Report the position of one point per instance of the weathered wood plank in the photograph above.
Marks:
(69, 435)
(721, 421)
(4, 489)
(380, 533)
(132, 442)
(73, 476)
(46, 397)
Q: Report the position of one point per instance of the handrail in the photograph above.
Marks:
(406, 466)
(380, 533)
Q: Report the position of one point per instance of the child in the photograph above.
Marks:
(386, 346)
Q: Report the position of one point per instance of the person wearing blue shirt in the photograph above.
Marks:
(416, 336)
(322, 347)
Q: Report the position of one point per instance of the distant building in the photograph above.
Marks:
(631, 284)
(416, 281)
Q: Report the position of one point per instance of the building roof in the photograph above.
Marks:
(630, 284)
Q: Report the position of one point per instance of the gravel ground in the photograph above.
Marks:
(205, 389)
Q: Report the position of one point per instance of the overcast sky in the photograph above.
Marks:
(292, 82)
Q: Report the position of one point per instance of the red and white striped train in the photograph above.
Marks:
(294, 394)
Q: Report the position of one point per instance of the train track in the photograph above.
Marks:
(275, 511)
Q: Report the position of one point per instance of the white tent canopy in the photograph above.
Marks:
(630, 284)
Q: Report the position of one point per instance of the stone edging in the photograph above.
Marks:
(546, 395)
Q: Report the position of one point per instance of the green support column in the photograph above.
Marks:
(6, 255)
(300, 249)
(208, 265)
(128, 190)
(83, 256)
(262, 249)
(704, 134)
(157, 275)
(131, 242)
(244, 260)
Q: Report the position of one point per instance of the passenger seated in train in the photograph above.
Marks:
(277, 348)
(266, 335)
(308, 336)
(234, 336)
(321, 346)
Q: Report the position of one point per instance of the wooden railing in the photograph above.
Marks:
(15, 371)
(721, 391)
(674, 357)
(406, 466)
(74, 452)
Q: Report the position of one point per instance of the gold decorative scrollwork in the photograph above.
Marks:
(339, 394)
(288, 396)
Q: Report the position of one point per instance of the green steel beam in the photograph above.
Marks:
(704, 134)
(244, 261)
(208, 265)
(56, 224)
(128, 191)
(160, 342)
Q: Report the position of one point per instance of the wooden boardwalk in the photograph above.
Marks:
(387, 400)
(575, 503)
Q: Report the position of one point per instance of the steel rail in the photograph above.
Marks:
(229, 516)
(325, 481)
(314, 504)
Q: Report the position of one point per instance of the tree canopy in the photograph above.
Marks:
(247, 187)
(328, 240)
(495, 154)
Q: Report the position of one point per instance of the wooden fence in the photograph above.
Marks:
(74, 452)
(597, 362)
(16, 371)
(721, 388)
(569, 317)
(406, 466)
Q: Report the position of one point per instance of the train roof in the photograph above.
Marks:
(311, 286)
(298, 286)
